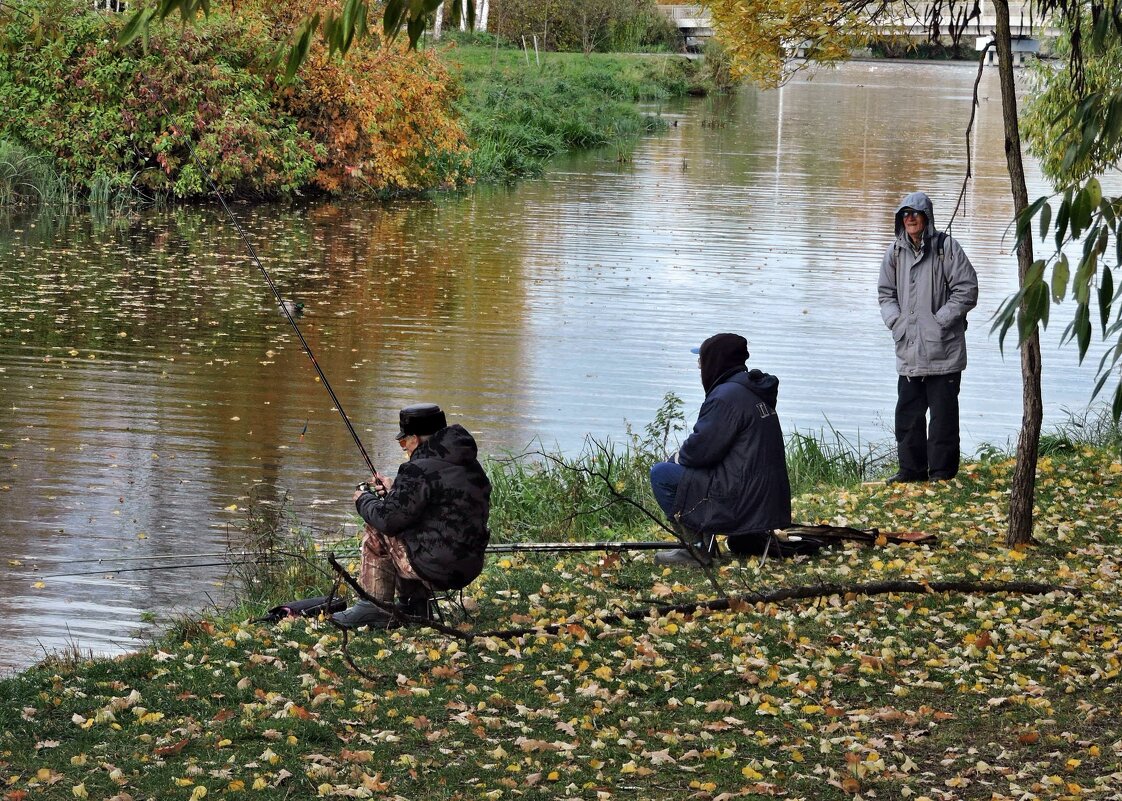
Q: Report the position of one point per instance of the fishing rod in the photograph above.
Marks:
(567, 547)
(276, 293)
(497, 548)
(145, 569)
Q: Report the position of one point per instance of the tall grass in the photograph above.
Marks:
(815, 460)
(27, 179)
(1094, 427)
(603, 491)
(520, 115)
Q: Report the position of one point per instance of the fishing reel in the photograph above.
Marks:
(366, 486)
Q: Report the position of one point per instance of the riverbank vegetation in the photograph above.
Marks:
(1006, 692)
(522, 109)
(139, 120)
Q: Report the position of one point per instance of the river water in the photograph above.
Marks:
(152, 390)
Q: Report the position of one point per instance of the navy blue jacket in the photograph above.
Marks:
(736, 470)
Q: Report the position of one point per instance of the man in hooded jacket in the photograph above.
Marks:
(927, 285)
(425, 530)
(730, 475)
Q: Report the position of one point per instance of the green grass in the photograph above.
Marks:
(28, 179)
(520, 111)
(938, 695)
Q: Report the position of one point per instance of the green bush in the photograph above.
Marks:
(121, 115)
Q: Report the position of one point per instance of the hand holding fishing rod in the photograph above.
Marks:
(378, 484)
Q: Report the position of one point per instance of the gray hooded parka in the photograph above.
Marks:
(924, 297)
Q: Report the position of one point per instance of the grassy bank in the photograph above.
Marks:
(520, 109)
(937, 695)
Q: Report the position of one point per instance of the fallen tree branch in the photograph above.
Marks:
(736, 602)
(800, 593)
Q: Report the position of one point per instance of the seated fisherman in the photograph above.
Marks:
(730, 475)
(426, 529)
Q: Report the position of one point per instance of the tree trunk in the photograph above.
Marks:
(1028, 443)
(481, 15)
(438, 22)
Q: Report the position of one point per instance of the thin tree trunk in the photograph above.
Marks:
(1028, 443)
(481, 15)
(438, 22)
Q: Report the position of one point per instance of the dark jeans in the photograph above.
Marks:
(928, 450)
(665, 477)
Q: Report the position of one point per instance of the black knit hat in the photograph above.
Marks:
(420, 419)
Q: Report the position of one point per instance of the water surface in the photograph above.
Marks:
(152, 390)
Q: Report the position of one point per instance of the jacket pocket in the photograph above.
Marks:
(899, 328)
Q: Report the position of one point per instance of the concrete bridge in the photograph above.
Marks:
(696, 27)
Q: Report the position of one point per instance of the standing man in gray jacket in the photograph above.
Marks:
(927, 285)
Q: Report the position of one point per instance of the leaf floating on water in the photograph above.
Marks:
(232, 507)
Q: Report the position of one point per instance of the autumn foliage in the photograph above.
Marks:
(146, 116)
(383, 116)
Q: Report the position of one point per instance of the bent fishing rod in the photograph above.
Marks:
(273, 287)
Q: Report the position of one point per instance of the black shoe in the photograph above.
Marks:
(364, 613)
(681, 557)
(942, 476)
(905, 477)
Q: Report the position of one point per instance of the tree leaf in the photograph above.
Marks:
(1106, 295)
(1024, 219)
(1095, 192)
(1082, 323)
(1062, 220)
(1045, 219)
(136, 26)
(1060, 275)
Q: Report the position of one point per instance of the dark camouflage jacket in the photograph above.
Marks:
(438, 507)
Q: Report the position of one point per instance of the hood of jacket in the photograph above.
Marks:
(719, 357)
(920, 202)
(764, 385)
(450, 444)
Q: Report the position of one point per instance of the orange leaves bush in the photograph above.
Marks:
(383, 116)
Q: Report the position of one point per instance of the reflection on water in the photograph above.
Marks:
(151, 386)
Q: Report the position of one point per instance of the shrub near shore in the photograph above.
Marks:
(381, 122)
(924, 695)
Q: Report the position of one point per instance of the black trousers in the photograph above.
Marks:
(928, 450)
